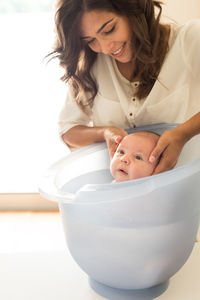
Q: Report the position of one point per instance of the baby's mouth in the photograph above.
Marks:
(123, 171)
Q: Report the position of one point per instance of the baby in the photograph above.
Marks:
(131, 159)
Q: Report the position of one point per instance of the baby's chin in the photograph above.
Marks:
(120, 180)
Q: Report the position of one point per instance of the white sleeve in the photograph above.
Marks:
(72, 114)
(191, 47)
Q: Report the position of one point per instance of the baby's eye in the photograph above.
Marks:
(138, 157)
(121, 152)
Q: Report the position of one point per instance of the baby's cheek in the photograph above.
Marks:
(147, 169)
(151, 168)
(113, 167)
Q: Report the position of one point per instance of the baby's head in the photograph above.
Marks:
(131, 159)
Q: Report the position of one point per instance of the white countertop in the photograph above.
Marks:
(35, 263)
(54, 275)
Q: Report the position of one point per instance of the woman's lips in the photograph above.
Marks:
(119, 52)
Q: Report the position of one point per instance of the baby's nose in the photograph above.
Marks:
(125, 158)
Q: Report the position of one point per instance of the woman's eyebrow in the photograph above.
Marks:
(99, 30)
(102, 27)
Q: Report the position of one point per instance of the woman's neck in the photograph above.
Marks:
(126, 69)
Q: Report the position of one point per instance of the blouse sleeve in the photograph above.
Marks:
(191, 48)
(72, 114)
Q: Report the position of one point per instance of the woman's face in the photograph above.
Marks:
(105, 32)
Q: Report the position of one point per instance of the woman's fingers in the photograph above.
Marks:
(113, 136)
(160, 147)
(112, 149)
(113, 144)
(167, 151)
(166, 163)
(118, 139)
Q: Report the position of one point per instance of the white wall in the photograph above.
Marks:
(31, 96)
(181, 10)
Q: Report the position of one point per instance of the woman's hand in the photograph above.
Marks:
(113, 136)
(168, 149)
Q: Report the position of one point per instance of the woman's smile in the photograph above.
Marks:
(119, 52)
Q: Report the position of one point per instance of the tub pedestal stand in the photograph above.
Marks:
(119, 294)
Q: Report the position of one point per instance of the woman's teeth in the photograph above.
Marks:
(118, 51)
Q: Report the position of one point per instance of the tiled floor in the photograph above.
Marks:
(31, 232)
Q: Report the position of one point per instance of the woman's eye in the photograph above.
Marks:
(90, 42)
(138, 157)
(109, 31)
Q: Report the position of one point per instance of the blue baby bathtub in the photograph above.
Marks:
(129, 237)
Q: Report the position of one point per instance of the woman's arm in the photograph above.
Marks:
(171, 142)
(79, 136)
(191, 127)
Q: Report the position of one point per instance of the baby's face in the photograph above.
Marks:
(131, 159)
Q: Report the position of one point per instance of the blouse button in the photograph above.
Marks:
(133, 99)
(130, 114)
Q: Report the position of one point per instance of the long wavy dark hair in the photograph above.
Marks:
(77, 58)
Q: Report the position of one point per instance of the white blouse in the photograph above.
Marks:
(174, 98)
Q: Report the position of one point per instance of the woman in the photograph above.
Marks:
(124, 68)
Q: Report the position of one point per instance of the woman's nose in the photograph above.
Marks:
(106, 46)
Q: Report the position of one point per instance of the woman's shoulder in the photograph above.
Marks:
(188, 41)
(192, 24)
(186, 37)
(190, 31)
